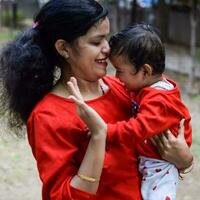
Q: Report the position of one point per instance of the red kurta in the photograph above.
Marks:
(159, 110)
(58, 139)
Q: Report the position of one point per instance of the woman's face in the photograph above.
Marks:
(88, 60)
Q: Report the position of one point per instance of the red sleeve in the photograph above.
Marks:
(156, 114)
(54, 149)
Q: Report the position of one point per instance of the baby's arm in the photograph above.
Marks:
(96, 123)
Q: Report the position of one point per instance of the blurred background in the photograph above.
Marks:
(179, 22)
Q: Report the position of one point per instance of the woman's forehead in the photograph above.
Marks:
(100, 29)
(97, 32)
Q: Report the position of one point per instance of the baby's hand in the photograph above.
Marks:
(92, 119)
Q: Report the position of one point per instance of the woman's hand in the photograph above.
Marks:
(92, 163)
(94, 122)
(174, 149)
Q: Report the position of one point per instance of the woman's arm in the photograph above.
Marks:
(174, 149)
(89, 173)
(90, 170)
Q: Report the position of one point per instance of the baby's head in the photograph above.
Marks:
(138, 55)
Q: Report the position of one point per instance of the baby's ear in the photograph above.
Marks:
(147, 70)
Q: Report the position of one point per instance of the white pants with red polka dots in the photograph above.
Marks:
(159, 179)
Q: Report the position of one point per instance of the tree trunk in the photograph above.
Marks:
(162, 18)
(118, 18)
(133, 11)
(193, 25)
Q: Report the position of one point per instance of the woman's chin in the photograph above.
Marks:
(103, 73)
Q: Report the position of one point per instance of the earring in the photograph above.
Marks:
(65, 55)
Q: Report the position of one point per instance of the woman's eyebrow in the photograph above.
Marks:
(100, 36)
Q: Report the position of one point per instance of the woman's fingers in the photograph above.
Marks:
(181, 129)
(76, 100)
(153, 141)
(76, 95)
(74, 90)
(169, 137)
(75, 84)
(160, 140)
(157, 141)
(163, 137)
(92, 119)
(167, 134)
(174, 149)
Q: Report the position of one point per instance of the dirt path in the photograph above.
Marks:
(189, 188)
(18, 174)
(19, 179)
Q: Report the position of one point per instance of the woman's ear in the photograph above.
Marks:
(61, 47)
(147, 70)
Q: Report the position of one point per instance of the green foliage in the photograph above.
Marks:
(195, 100)
(188, 1)
(196, 144)
(110, 1)
(8, 35)
(198, 54)
(6, 17)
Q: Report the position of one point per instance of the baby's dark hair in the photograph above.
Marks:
(27, 64)
(140, 44)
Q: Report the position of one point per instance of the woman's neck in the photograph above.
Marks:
(89, 89)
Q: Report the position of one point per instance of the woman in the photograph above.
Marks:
(70, 35)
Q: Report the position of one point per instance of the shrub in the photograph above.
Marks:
(7, 17)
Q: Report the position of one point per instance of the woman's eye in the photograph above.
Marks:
(96, 43)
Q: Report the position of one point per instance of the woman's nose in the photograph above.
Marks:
(106, 47)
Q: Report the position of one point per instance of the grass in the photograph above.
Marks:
(8, 35)
(198, 54)
(195, 126)
(195, 146)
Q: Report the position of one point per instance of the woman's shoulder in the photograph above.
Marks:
(49, 101)
(52, 106)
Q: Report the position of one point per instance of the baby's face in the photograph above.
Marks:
(127, 74)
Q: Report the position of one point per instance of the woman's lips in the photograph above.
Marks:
(102, 61)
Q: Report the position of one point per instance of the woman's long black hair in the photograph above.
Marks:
(27, 64)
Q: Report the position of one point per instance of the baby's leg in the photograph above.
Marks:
(159, 179)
